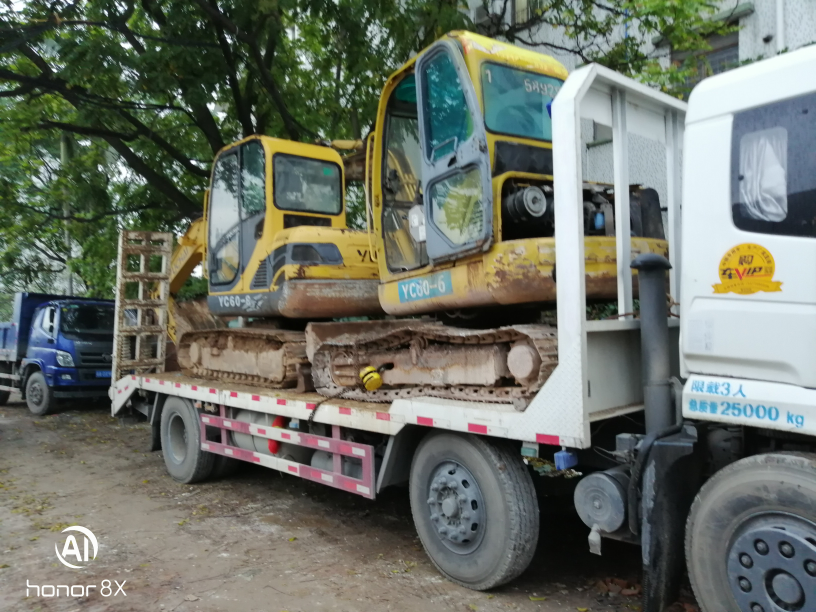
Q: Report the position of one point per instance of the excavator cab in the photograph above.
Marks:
(462, 199)
(277, 240)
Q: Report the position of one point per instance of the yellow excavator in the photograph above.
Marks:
(277, 249)
(460, 247)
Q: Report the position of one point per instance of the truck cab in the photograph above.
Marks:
(57, 348)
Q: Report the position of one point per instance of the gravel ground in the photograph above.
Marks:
(257, 541)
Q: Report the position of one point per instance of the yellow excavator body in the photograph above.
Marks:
(460, 213)
(461, 183)
(278, 244)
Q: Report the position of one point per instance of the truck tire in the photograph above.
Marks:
(4, 397)
(39, 396)
(224, 467)
(751, 536)
(181, 442)
(460, 484)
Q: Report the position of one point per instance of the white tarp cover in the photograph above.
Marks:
(763, 173)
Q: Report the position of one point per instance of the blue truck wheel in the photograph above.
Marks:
(39, 396)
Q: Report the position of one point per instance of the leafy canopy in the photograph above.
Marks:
(111, 110)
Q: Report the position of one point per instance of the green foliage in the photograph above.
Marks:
(619, 33)
(194, 287)
(150, 90)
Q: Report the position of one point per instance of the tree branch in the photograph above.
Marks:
(293, 128)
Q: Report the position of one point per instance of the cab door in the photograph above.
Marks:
(456, 182)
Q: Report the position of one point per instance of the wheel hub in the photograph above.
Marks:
(178, 438)
(772, 564)
(456, 507)
(36, 393)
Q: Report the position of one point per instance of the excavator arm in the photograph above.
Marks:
(190, 252)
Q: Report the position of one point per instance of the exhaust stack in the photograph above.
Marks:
(654, 340)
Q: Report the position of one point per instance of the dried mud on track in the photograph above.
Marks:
(257, 541)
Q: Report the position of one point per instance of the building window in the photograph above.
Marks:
(723, 55)
(526, 10)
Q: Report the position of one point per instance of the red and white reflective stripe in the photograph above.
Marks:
(333, 445)
(427, 422)
(364, 486)
(548, 439)
(475, 428)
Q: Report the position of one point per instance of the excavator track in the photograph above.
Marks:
(268, 357)
(443, 362)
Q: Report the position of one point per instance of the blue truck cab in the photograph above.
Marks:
(56, 347)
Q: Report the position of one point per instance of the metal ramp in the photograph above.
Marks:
(142, 294)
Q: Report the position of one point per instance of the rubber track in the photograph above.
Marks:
(294, 346)
(543, 338)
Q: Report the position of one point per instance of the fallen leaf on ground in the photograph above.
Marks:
(191, 598)
(537, 598)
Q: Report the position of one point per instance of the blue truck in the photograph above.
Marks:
(56, 347)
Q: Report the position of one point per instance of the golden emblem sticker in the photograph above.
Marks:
(746, 269)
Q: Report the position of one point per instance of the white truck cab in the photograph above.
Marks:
(748, 307)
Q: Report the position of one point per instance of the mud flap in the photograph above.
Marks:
(671, 478)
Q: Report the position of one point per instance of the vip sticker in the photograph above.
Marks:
(746, 269)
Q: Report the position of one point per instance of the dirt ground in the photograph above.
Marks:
(257, 541)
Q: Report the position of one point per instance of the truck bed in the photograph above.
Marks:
(497, 420)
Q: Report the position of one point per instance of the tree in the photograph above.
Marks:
(614, 33)
(150, 90)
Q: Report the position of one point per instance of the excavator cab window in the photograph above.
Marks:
(515, 101)
(456, 175)
(253, 196)
(237, 209)
(224, 222)
(447, 120)
(307, 185)
(401, 179)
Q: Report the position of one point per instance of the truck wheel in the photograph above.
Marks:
(4, 397)
(39, 396)
(751, 536)
(181, 442)
(475, 509)
(224, 467)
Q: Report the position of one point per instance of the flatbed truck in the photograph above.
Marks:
(702, 410)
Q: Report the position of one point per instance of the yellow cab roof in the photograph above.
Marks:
(291, 147)
(485, 48)
(488, 49)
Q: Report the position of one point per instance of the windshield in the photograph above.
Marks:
(86, 319)
(307, 185)
(515, 101)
